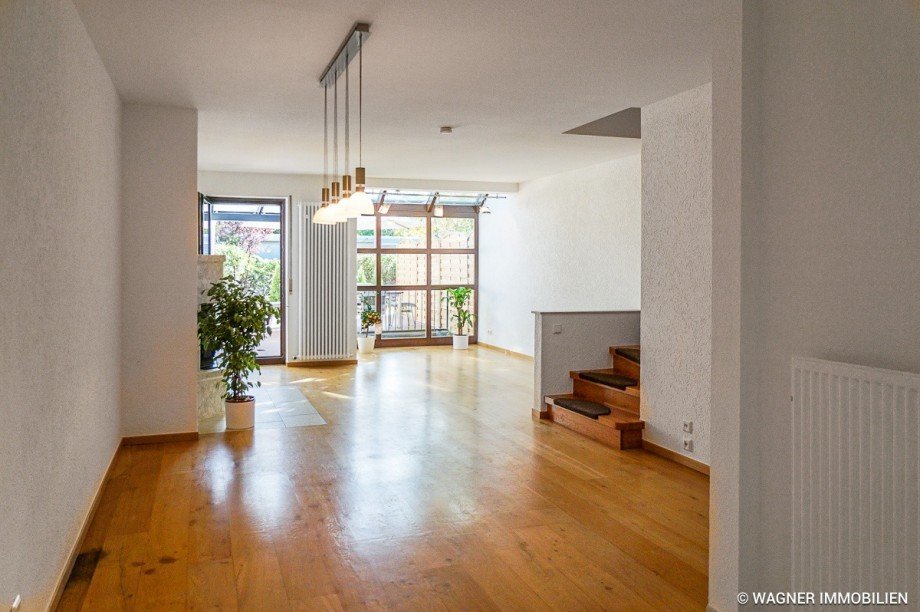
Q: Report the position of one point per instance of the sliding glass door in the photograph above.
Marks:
(406, 260)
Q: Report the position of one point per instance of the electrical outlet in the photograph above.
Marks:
(688, 444)
(557, 328)
(688, 426)
(489, 331)
(16, 604)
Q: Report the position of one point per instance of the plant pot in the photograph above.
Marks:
(461, 343)
(241, 415)
(366, 344)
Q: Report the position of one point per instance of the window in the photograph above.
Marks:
(406, 260)
(403, 233)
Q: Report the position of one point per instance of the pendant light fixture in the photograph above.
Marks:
(323, 216)
(348, 210)
(342, 204)
(334, 206)
(360, 201)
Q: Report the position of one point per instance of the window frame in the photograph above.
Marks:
(415, 210)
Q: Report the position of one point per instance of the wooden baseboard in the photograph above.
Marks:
(64, 575)
(181, 436)
(676, 457)
(511, 353)
(323, 363)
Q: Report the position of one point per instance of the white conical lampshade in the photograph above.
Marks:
(362, 203)
(337, 212)
(322, 216)
(349, 211)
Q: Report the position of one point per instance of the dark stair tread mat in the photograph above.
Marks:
(617, 381)
(630, 353)
(582, 407)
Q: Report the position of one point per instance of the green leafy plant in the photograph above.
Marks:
(460, 298)
(234, 324)
(369, 318)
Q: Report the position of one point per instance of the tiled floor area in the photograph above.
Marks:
(278, 404)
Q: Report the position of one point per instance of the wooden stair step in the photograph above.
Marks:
(617, 428)
(583, 407)
(609, 378)
(626, 360)
(633, 353)
(624, 399)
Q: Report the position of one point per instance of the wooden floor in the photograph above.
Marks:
(431, 487)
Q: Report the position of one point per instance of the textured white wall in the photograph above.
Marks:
(59, 288)
(677, 269)
(828, 226)
(583, 343)
(569, 241)
(160, 278)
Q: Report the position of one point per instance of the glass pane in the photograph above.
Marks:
(252, 248)
(367, 229)
(366, 300)
(404, 313)
(442, 319)
(403, 269)
(453, 269)
(367, 269)
(452, 233)
(205, 243)
(394, 197)
(459, 199)
(402, 233)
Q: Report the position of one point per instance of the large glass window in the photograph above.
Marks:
(407, 258)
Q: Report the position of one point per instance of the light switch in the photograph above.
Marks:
(557, 328)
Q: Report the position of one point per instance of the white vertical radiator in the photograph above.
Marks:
(855, 479)
(323, 288)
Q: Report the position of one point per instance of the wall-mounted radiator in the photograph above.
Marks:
(322, 288)
(855, 478)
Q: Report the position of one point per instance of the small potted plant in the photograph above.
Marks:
(460, 298)
(369, 319)
(234, 325)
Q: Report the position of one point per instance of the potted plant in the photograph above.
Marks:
(369, 318)
(460, 298)
(235, 324)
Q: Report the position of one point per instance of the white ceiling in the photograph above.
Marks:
(510, 76)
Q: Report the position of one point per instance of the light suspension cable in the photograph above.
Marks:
(360, 202)
(323, 215)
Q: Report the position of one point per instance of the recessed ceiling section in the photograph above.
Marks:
(626, 123)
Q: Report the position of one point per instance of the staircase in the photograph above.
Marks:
(603, 404)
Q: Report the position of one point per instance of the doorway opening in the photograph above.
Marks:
(249, 233)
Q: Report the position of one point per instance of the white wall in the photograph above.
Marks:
(582, 342)
(160, 279)
(677, 270)
(59, 288)
(570, 241)
(829, 219)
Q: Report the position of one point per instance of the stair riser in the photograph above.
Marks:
(624, 366)
(595, 430)
(601, 394)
